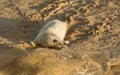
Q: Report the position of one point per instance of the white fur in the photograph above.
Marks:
(55, 27)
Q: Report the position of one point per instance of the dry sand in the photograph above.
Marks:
(93, 31)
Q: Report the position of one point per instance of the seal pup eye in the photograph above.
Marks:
(54, 40)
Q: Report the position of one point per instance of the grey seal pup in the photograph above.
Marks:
(52, 34)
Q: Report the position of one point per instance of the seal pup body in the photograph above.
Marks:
(51, 34)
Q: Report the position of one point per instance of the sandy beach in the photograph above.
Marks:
(93, 29)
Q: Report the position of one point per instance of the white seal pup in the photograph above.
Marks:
(52, 34)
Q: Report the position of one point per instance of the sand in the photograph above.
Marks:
(93, 32)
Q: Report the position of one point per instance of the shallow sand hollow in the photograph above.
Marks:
(93, 28)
